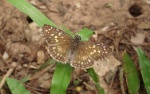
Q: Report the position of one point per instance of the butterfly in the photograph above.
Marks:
(64, 48)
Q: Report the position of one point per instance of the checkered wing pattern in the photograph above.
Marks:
(58, 43)
(64, 48)
(87, 53)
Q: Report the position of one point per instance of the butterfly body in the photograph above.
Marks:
(64, 48)
(75, 43)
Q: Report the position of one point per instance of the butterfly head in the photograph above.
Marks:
(77, 37)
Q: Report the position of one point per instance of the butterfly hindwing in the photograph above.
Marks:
(97, 51)
(87, 53)
(59, 52)
(81, 58)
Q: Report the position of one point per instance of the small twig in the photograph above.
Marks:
(13, 65)
(109, 88)
(121, 80)
(39, 73)
(134, 44)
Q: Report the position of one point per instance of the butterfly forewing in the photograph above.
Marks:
(55, 36)
(58, 43)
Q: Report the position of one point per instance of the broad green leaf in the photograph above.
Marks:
(144, 63)
(133, 81)
(32, 12)
(16, 87)
(65, 29)
(61, 78)
(85, 34)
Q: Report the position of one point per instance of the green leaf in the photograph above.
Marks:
(61, 78)
(16, 87)
(144, 63)
(25, 79)
(85, 34)
(66, 30)
(95, 77)
(133, 81)
(32, 12)
(47, 63)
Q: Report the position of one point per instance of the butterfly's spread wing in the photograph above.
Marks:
(107, 51)
(87, 53)
(58, 43)
(81, 58)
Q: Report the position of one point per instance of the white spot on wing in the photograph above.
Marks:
(54, 48)
(56, 40)
(94, 46)
(57, 29)
(89, 60)
(94, 51)
(59, 34)
(52, 35)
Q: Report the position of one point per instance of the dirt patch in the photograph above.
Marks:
(122, 25)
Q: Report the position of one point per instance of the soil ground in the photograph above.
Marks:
(119, 24)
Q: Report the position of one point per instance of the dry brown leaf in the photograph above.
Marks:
(138, 38)
(40, 57)
(102, 67)
(17, 48)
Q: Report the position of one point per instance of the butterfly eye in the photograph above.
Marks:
(77, 37)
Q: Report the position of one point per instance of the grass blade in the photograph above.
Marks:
(32, 12)
(16, 87)
(145, 68)
(133, 81)
(61, 78)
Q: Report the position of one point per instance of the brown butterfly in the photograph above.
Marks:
(65, 48)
